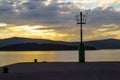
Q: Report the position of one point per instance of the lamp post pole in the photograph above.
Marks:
(81, 20)
(81, 26)
(81, 45)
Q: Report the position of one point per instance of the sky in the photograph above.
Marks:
(55, 19)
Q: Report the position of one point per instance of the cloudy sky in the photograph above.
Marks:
(55, 19)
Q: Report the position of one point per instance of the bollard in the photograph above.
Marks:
(35, 60)
(5, 69)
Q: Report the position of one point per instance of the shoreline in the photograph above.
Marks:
(61, 50)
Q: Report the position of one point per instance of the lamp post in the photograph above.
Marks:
(81, 19)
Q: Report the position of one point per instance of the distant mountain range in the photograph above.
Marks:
(105, 44)
(19, 44)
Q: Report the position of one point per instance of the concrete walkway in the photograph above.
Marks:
(62, 71)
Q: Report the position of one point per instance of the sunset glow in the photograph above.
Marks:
(55, 19)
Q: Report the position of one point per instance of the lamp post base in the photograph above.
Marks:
(81, 53)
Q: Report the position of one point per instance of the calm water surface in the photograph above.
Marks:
(11, 57)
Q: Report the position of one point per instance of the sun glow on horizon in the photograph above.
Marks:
(45, 32)
(32, 31)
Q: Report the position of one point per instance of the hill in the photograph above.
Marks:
(105, 44)
(27, 44)
(17, 43)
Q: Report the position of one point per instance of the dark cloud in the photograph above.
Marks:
(34, 12)
(60, 14)
(100, 16)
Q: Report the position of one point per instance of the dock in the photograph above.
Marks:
(62, 71)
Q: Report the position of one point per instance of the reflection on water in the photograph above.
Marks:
(28, 56)
(11, 57)
(103, 55)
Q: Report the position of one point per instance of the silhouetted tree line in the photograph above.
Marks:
(44, 46)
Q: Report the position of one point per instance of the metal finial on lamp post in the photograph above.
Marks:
(81, 19)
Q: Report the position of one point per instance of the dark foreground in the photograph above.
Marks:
(62, 71)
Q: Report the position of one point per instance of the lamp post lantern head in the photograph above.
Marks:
(84, 18)
(77, 19)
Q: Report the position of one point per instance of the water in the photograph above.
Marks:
(11, 57)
